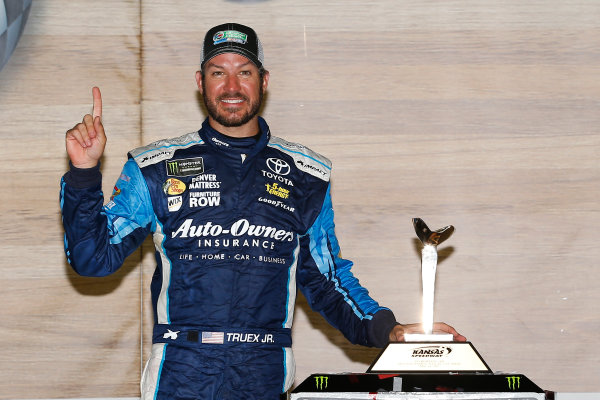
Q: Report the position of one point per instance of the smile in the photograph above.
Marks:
(232, 101)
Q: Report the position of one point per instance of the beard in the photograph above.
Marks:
(230, 120)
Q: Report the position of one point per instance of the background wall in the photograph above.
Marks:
(480, 114)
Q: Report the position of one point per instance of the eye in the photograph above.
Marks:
(246, 73)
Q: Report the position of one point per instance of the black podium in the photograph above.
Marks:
(419, 386)
(422, 371)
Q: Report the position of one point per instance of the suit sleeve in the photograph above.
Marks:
(332, 290)
(98, 238)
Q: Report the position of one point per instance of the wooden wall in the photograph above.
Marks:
(480, 114)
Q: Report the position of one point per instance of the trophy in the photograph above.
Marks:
(429, 351)
(430, 239)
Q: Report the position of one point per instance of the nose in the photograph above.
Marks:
(232, 84)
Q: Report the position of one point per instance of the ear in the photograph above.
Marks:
(199, 80)
(265, 81)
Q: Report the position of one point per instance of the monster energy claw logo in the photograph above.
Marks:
(185, 167)
(172, 168)
(321, 382)
(514, 382)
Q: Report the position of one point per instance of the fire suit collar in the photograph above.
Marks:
(249, 146)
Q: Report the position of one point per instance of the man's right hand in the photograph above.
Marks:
(85, 142)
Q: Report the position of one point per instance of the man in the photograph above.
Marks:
(239, 219)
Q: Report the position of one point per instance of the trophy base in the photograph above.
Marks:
(429, 357)
(429, 337)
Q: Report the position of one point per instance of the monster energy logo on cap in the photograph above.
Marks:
(185, 167)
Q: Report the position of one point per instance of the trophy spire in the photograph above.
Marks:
(430, 239)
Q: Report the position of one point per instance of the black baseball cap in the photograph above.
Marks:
(232, 38)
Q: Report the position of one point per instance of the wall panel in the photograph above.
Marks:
(65, 336)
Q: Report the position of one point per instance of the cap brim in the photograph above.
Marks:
(236, 50)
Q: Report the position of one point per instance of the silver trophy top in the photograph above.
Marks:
(429, 237)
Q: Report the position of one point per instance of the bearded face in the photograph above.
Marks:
(232, 89)
(232, 109)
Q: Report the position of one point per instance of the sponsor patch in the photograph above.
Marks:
(219, 142)
(312, 169)
(240, 228)
(171, 334)
(205, 199)
(173, 186)
(230, 36)
(205, 182)
(185, 167)
(116, 192)
(277, 190)
(149, 158)
(278, 166)
(174, 203)
(282, 179)
(277, 203)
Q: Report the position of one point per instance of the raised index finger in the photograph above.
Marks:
(97, 111)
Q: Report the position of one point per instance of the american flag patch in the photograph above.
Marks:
(213, 337)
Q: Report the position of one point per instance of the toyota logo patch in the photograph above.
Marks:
(278, 166)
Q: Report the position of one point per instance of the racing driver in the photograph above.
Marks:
(239, 218)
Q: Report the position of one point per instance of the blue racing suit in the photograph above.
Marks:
(237, 225)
